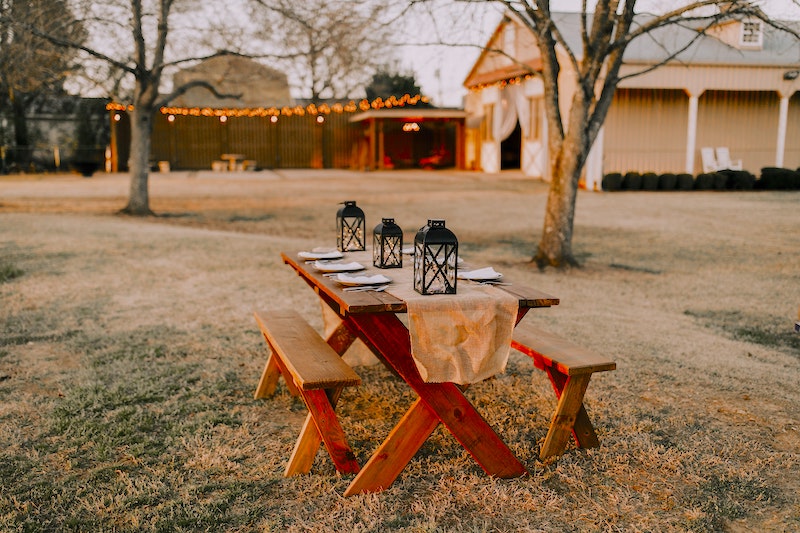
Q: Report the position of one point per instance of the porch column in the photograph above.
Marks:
(691, 134)
(782, 120)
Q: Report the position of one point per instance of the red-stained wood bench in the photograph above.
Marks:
(316, 373)
(569, 368)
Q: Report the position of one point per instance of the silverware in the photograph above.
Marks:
(364, 288)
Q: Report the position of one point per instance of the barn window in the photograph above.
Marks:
(752, 33)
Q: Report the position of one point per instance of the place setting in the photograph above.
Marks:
(482, 276)
(376, 282)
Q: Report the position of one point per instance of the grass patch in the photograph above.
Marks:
(250, 218)
(727, 498)
(116, 442)
(750, 328)
(8, 272)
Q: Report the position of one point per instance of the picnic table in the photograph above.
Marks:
(373, 317)
(233, 160)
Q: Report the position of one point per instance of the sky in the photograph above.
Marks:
(440, 71)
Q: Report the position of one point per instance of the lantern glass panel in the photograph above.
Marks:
(387, 246)
(350, 228)
(435, 259)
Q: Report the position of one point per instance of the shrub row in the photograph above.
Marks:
(723, 180)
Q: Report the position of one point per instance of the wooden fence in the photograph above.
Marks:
(190, 142)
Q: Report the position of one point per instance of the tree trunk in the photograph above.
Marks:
(23, 152)
(139, 164)
(555, 247)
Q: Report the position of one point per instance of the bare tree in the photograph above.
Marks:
(31, 66)
(593, 68)
(135, 38)
(330, 47)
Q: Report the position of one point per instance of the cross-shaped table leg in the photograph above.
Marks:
(438, 402)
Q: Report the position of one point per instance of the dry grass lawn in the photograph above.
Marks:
(129, 356)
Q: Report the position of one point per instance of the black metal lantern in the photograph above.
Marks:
(387, 245)
(350, 228)
(435, 259)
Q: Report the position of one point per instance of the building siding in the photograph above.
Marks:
(645, 131)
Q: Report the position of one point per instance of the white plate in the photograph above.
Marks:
(338, 266)
(321, 253)
(482, 274)
(354, 281)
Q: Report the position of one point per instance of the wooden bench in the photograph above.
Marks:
(569, 368)
(316, 373)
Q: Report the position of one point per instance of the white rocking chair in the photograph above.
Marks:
(724, 161)
(709, 161)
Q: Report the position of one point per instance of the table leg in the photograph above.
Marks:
(340, 339)
(386, 334)
(393, 455)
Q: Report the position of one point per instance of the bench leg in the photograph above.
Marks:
(310, 438)
(570, 390)
(396, 451)
(269, 378)
(321, 409)
(582, 431)
(305, 449)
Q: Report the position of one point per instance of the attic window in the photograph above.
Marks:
(752, 33)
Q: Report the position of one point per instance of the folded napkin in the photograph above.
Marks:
(321, 253)
(377, 279)
(337, 267)
(480, 274)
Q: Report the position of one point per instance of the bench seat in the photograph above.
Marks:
(569, 367)
(316, 373)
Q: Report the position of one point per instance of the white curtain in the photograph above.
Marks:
(512, 107)
(505, 116)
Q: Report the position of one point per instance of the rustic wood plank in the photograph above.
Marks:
(396, 451)
(568, 357)
(309, 359)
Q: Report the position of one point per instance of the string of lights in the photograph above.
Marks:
(502, 83)
(310, 109)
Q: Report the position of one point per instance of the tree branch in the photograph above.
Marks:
(183, 89)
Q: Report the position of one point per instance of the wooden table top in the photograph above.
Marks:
(383, 302)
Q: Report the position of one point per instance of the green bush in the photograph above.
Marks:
(740, 180)
(649, 181)
(612, 182)
(704, 182)
(783, 179)
(632, 182)
(667, 182)
(685, 182)
(721, 179)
